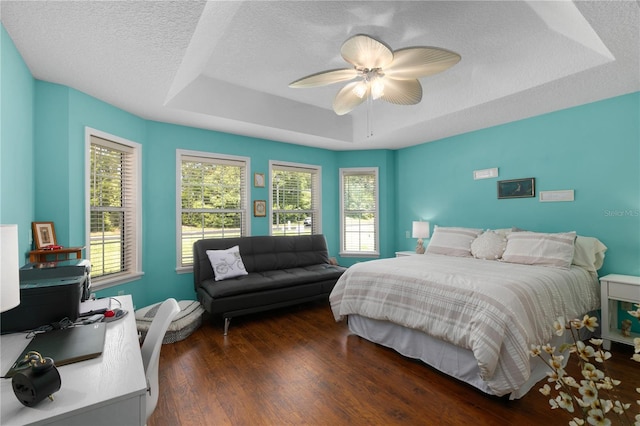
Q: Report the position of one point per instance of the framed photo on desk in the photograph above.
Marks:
(44, 234)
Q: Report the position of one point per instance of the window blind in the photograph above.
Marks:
(359, 200)
(295, 199)
(113, 206)
(213, 201)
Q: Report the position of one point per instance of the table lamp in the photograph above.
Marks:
(420, 230)
(9, 268)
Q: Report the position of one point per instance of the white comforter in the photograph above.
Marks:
(495, 309)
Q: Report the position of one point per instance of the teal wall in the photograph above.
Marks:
(593, 149)
(61, 114)
(16, 142)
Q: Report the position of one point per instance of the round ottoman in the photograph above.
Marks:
(186, 322)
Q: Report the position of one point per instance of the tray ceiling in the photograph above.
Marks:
(226, 65)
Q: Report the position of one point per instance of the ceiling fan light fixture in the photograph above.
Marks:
(377, 88)
(360, 89)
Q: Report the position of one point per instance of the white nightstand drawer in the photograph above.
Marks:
(621, 291)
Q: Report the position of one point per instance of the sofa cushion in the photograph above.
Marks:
(269, 280)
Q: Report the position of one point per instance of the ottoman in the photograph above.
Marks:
(186, 322)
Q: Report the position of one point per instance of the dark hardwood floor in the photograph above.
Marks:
(298, 366)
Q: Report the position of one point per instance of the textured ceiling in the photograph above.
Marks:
(226, 65)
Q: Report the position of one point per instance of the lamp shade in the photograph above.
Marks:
(9, 268)
(420, 229)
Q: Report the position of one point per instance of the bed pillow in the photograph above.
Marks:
(589, 253)
(226, 263)
(536, 248)
(452, 241)
(503, 232)
(489, 245)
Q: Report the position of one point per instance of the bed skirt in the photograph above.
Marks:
(445, 357)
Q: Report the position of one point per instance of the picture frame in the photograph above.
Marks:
(517, 188)
(44, 234)
(260, 208)
(258, 180)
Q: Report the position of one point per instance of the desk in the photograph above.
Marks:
(40, 256)
(108, 390)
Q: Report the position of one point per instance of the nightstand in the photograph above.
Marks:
(406, 253)
(613, 289)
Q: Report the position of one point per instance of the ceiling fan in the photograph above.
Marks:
(382, 73)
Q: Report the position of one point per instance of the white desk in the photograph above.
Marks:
(107, 390)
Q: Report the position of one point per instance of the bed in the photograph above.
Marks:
(474, 318)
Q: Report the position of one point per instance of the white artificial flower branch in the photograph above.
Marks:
(595, 394)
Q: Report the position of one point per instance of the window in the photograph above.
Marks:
(211, 199)
(295, 199)
(359, 212)
(113, 208)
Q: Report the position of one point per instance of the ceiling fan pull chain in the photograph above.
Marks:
(369, 116)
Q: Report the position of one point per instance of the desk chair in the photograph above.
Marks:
(151, 349)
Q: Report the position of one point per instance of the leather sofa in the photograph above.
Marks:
(281, 271)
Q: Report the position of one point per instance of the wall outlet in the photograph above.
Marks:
(120, 292)
(407, 234)
(626, 306)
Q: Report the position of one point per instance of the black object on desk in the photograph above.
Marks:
(65, 346)
(37, 382)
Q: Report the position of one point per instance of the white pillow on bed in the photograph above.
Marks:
(589, 253)
(226, 263)
(452, 241)
(503, 232)
(490, 245)
(536, 248)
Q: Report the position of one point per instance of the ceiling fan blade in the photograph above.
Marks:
(366, 52)
(346, 99)
(324, 78)
(416, 62)
(402, 92)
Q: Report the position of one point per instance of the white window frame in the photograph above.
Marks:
(317, 209)
(210, 156)
(135, 271)
(359, 170)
